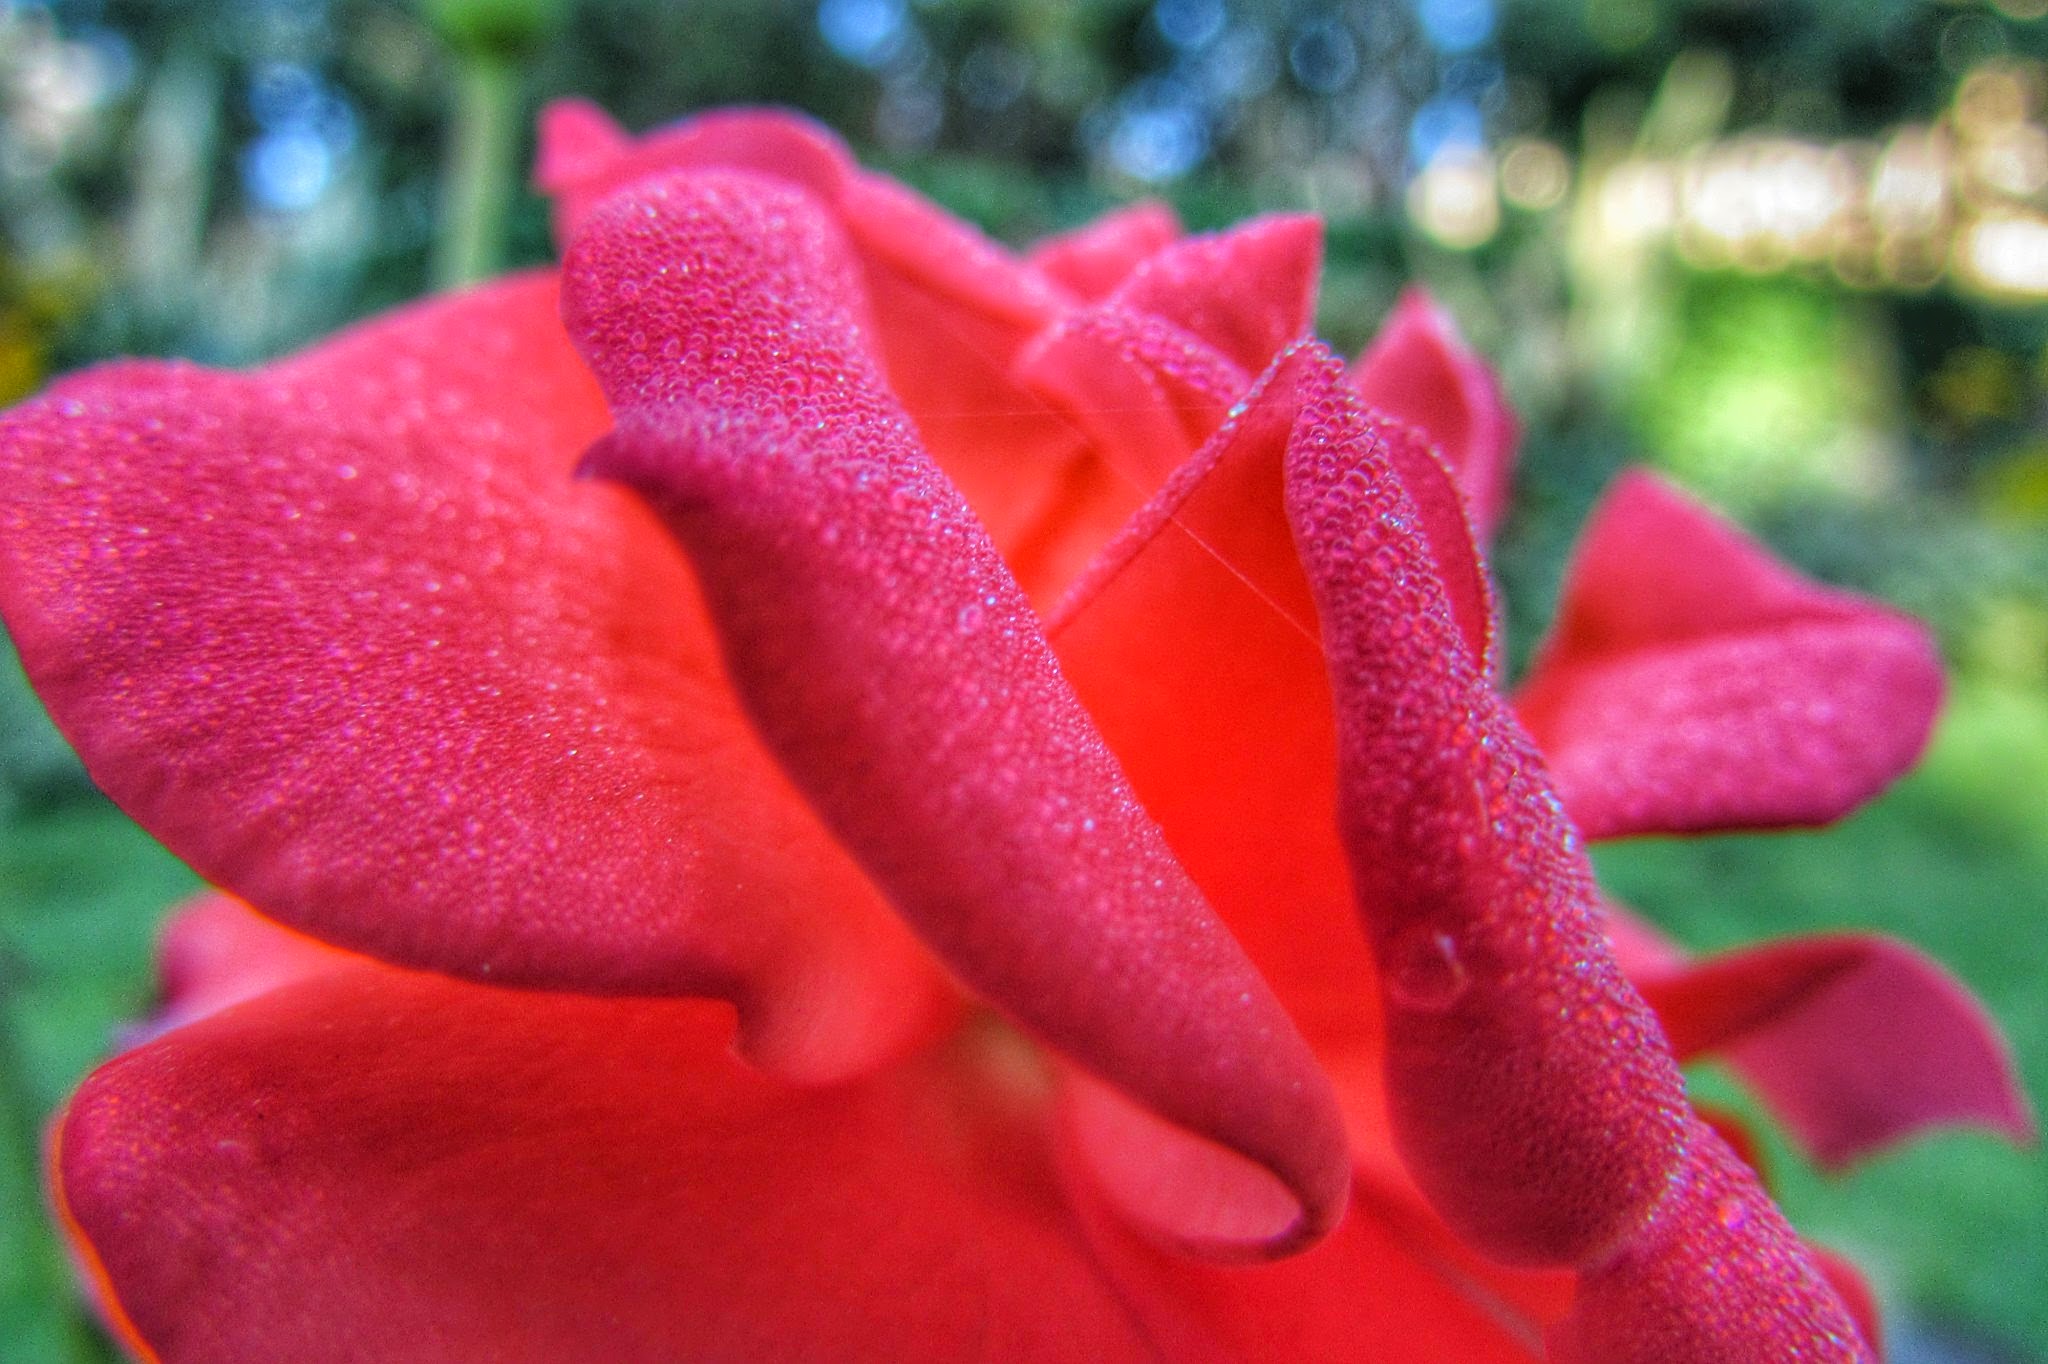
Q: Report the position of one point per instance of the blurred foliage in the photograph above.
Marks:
(225, 181)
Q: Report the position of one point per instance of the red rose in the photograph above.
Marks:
(995, 683)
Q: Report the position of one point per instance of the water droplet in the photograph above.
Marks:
(1731, 1212)
(1424, 970)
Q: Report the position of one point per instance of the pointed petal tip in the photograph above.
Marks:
(1854, 1041)
(1694, 682)
(577, 141)
(928, 725)
(1421, 370)
(1093, 259)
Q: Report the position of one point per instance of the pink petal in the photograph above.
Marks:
(1716, 1277)
(347, 637)
(1244, 293)
(579, 144)
(950, 308)
(1419, 370)
(1854, 1040)
(584, 157)
(1693, 682)
(380, 1167)
(1198, 621)
(1151, 372)
(215, 952)
(892, 663)
(1094, 258)
(1530, 1090)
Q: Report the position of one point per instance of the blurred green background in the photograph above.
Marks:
(1793, 251)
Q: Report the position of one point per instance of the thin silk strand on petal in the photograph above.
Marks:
(1532, 1093)
(347, 636)
(894, 666)
(1419, 370)
(386, 1167)
(1854, 1041)
(1197, 621)
(1693, 682)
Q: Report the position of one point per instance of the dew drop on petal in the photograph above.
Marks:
(1424, 970)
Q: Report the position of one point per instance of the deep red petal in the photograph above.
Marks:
(1094, 258)
(1854, 1040)
(1694, 682)
(345, 635)
(386, 1168)
(1419, 370)
(1716, 1277)
(1531, 1092)
(892, 663)
(950, 308)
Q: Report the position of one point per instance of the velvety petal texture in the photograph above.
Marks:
(1694, 682)
(1531, 1091)
(1854, 1041)
(377, 1165)
(893, 664)
(1002, 688)
(1419, 370)
(1716, 1277)
(1199, 621)
(346, 636)
(950, 309)
(1151, 371)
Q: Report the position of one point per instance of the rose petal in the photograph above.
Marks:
(1694, 682)
(894, 666)
(1716, 1277)
(1855, 1292)
(1150, 372)
(386, 1168)
(1094, 258)
(1531, 1093)
(346, 636)
(215, 952)
(1198, 621)
(950, 308)
(1192, 643)
(1854, 1040)
(1419, 370)
(1378, 1288)
(584, 157)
